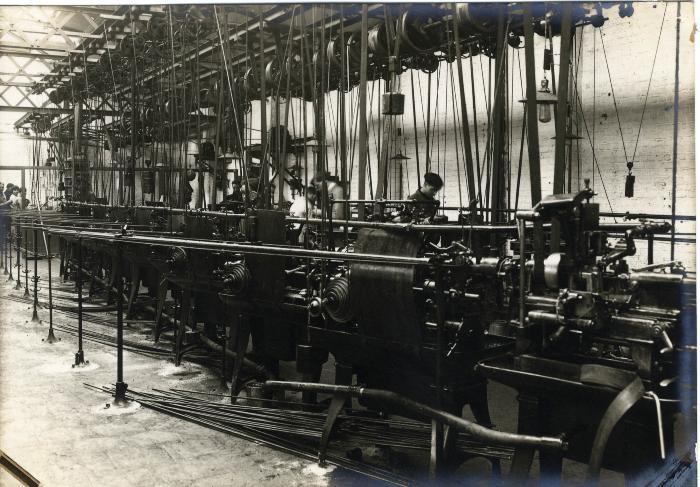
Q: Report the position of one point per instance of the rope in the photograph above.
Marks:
(612, 90)
(646, 97)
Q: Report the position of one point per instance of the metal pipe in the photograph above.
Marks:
(533, 151)
(244, 248)
(18, 240)
(562, 113)
(120, 386)
(51, 338)
(35, 279)
(26, 262)
(477, 431)
(362, 169)
(80, 355)
(675, 133)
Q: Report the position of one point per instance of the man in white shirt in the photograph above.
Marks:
(16, 199)
(302, 206)
(335, 191)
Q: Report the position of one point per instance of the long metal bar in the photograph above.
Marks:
(80, 355)
(533, 138)
(35, 279)
(26, 262)
(241, 248)
(51, 337)
(499, 119)
(466, 136)
(120, 390)
(362, 156)
(264, 174)
(134, 125)
(18, 239)
(562, 101)
(675, 132)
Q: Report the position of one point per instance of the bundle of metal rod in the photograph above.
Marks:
(355, 427)
(279, 439)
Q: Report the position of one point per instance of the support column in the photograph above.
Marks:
(562, 101)
(35, 279)
(79, 356)
(120, 386)
(499, 121)
(362, 157)
(533, 138)
(51, 338)
(18, 240)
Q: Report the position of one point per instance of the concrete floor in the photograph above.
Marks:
(62, 433)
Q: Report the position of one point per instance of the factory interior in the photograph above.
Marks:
(344, 244)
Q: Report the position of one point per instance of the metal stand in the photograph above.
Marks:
(26, 263)
(35, 279)
(18, 240)
(5, 240)
(120, 386)
(10, 278)
(80, 356)
(51, 338)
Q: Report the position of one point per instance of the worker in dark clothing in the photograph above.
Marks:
(426, 205)
(234, 200)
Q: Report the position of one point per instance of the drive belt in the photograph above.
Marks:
(632, 391)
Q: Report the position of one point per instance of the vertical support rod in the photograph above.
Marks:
(77, 149)
(18, 239)
(7, 230)
(341, 108)
(51, 338)
(499, 121)
(26, 262)
(120, 386)
(23, 180)
(79, 356)
(675, 134)
(469, 168)
(362, 169)
(263, 121)
(134, 122)
(533, 137)
(562, 101)
(35, 279)
(3, 241)
(9, 237)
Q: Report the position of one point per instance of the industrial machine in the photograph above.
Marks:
(598, 344)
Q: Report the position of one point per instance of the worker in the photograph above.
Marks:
(426, 205)
(8, 191)
(334, 191)
(2, 193)
(234, 200)
(15, 199)
(304, 206)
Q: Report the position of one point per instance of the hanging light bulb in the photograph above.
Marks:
(544, 102)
